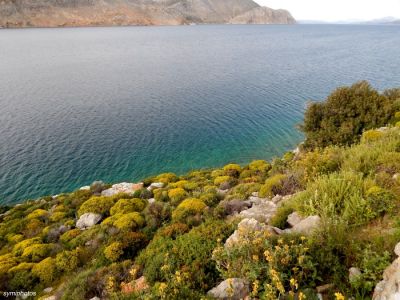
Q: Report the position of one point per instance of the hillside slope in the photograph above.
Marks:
(58, 13)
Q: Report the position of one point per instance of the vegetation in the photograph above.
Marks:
(347, 173)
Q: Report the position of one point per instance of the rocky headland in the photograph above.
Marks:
(59, 13)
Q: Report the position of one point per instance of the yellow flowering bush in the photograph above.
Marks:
(260, 166)
(232, 170)
(221, 179)
(45, 270)
(188, 208)
(130, 221)
(275, 267)
(67, 260)
(113, 251)
(371, 135)
(272, 186)
(124, 206)
(36, 252)
(38, 213)
(176, 195)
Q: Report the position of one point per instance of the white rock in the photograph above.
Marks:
(124, 187)
(88, 220)
(155, 185)
(389, 287)
(396, 176)
(307, 226)
(95, 298)
(262, 212)
(85, 188)
(254, 194)
(294, 219)
(231, 289)
(397, 249)
(151, 200)
(277, 198)
(50, 298)
(48, 290)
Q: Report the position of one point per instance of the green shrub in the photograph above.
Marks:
(260, 166)
(21, 277)
(97, 204)
(221, 179)
(232, 170)
(176, 195)
(174, 230)
(67, 260)
(124, 206)
(161, 195)
(37, 252)
(114, 251)
(272, 186)
(371, 135)
(345, 114)
(166, 178)
(143, 193)
(38, 213)
(280, 218)
(69, 235)
(188, 208)
(45, 270)
(130, 221)
(380, 200)
(57, 216)
(19, 248)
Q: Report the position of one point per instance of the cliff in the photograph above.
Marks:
(58, 13)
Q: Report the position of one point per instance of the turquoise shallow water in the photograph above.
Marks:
(116, 104)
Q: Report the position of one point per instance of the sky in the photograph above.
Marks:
(337, 10)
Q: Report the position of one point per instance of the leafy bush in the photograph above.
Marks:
(130, 221)
(260, 166)
(272, 186)
(232, 170)
(166, 178)
(45, 270)
(113, 251)
(98, 205)
(38, 213)
(188, 209)
(176, 195)
(345, 114)
(274, 267)
(124, 206)
(36, 252)
(67, 260)
(221, 179)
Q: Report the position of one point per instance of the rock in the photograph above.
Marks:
(155, 185)
(324, 288)
(306, 226)
(95, 298)
(231, 289)
(248, 229)
(262, 212)
(254, 194)
(382, 129)
(277, 199)
(225, 186)
(151, 200)
(48, 290)
(137, 285)
(88, 220)
(397, 249)
(396, 176)
(97, 187)
(233, 207)
(124, 187)
(389, 287)
(354, 273)
(294, 219)
(50, 298)
(85, 188)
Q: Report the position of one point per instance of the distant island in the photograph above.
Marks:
(60, 13)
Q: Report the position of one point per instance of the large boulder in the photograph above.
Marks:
(231, 289)
(294, 219)
(389, 287)
(124, 187)
(262, 212)
(247, 230)
(307, 225)
(155, 185)
(88, 220)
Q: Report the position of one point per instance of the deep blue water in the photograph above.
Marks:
(116, 104)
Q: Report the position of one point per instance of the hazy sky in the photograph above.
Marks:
(335, 10)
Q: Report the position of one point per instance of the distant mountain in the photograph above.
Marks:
(56, 13)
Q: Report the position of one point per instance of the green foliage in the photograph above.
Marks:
(260, 166)
(98, 205)
(176, 195)
(124, 206)
(130, 221)
(345, 114)
(113, 251)
(232, 170)
(45, 270)
(273, 267)
(36, 252)
(221, 179)
(272, 185)
(188, 209)
(38, 213)
(166, 178)
(67, 261)
(280, 218)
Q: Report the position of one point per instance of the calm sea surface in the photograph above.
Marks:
(117, 104)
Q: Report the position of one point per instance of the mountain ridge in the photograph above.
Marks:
(60, 13)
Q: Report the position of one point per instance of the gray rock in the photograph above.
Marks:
(254, 194)
(123, 187)
(354, 273)
(155, 185)
(277, 199)
(151, 200)
(231, 289)
(248, 229)
(88, 220)
(262, 212)
(294, 219)
(389, 287)
(307, 226)
(48, 290)
(397, 249)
